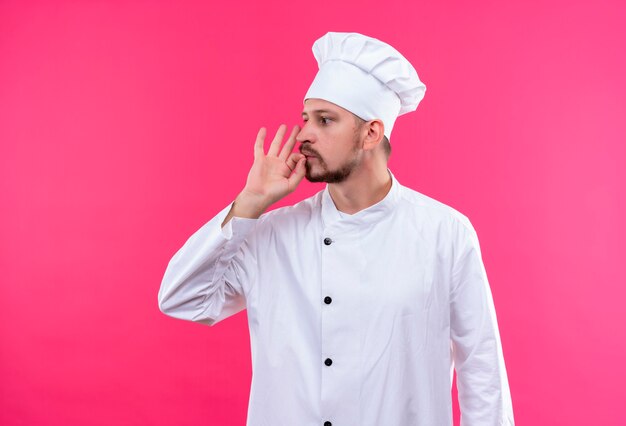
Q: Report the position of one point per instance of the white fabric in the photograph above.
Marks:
(342, 214)
(410, 302)
(366, 76)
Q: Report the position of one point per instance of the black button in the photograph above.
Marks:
(327, 241)
(328, 424)
(328, 361)
(327, 300)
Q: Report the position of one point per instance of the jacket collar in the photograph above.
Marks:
(374, 213)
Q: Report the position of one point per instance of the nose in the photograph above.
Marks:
(305, 133)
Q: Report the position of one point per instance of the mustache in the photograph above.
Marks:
(306, 150)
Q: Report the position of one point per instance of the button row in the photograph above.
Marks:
(328, 300)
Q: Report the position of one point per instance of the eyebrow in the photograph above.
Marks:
(319, 111)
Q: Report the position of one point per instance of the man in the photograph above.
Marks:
(363, 299)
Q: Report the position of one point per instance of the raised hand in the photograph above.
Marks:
(272, 176)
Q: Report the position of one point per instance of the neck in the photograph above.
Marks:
(364, 187)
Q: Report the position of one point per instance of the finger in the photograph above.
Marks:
(258, 145)
(275, 145)
(293, 159)
(297, 175)
(288, 147)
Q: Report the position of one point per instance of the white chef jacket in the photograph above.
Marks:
(357, 320)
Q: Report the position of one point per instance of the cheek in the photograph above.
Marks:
(337, 155)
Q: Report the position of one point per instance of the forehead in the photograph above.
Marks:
(313, 104)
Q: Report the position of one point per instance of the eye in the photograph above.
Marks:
(325, 120)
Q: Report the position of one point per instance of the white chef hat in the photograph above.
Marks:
(366, 76)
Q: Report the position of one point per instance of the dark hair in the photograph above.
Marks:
(385, 142)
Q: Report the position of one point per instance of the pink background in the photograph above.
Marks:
(125, 126)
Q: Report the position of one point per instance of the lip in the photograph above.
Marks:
(308, 155)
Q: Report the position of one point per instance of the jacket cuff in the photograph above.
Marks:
(236, 225)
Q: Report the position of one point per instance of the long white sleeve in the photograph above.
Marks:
(482, 383)
(206, 280)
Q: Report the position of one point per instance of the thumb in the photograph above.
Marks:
(297, 175)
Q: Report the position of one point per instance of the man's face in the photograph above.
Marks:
(330, 141)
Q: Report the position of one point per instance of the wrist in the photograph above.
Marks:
(249, 205)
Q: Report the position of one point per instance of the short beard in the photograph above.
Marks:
(339, 175)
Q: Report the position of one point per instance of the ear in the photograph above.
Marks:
(375, 132)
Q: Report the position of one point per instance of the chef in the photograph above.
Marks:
(363, 299)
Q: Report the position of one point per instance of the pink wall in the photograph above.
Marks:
(124, 126)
